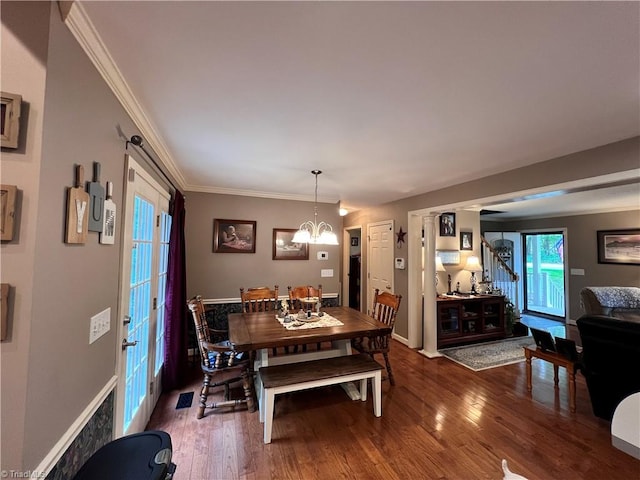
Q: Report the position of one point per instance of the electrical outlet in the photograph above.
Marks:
(99, 325)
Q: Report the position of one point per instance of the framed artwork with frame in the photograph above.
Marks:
(8, 195)
(619, 246)
(449, 257)
(466, 241)
(354, 241)
(448, 224)
(285, 249)
(234, 236)
(10, 119)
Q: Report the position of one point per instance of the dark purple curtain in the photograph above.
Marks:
(175, 342)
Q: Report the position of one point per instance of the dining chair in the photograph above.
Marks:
(300, 293)
(219, 358)
(385, 310)
(260, 299)
(297, 295)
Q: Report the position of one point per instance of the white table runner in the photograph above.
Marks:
(324, 321)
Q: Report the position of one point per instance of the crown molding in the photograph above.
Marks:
(256, 193)
(76, 19)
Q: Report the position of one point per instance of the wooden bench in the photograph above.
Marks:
(293, 377)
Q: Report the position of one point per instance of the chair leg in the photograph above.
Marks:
(247, 386)
(227, 392)
(204, 393)
(386, 361)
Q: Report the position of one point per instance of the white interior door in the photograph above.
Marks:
(379, 259)
(145, 242)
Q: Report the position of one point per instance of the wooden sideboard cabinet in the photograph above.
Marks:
(470, 319)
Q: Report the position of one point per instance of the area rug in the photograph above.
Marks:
(184, 400)
(482, 356)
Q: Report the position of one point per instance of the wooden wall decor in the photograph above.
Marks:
(4, 308)
(96, 193)
(10, 119)
(77, 210)
(108, 234)
(8, 195)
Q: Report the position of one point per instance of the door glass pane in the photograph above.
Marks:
(165, 232)
(545, 279)
(139, 308)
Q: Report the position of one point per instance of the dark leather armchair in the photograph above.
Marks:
(610, 358)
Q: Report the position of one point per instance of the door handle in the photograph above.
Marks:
(127, 320)
(126, 344)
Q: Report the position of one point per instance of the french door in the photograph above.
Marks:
(146, 229)
(544, 279)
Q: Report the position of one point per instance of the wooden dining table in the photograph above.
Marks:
(262, 332)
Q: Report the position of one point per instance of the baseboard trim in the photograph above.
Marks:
(402, 340)
(47, 464)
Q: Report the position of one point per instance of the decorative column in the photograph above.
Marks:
(430, 328)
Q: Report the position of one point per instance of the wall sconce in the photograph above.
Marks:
(473, 266)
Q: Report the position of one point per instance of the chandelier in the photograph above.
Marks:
(314, 232)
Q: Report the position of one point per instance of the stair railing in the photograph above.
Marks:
(499, 276)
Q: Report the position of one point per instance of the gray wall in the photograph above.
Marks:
(220, 275)
(581, 249)
(50, 373)
(621, 156)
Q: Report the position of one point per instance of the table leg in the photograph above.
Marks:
(527, 355)
(555, 375)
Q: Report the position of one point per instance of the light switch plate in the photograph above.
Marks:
(323, 255)
(99, 325)
(326, 272)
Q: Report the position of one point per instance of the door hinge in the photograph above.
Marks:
(155, 303)
(151, 388)
(158, 221)
(132, 174)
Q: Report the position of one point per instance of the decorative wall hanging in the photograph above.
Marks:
(284, 248)
(77, 210)
(96, 194)
(400, 237)
(447, 224)
(4, 309)
(10, 119)
(234, 236)
(8, 194)
(619, 246)
(354, 241)
(466, 241)
(108, 234)
(449, 257)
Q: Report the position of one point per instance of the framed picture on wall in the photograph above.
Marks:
(8, 195)
(466, 241)
(234, 236)
(10, 119)
(285, 249)
(619, 246)
(447, 224)
(354, 241)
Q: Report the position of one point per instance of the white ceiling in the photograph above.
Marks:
(389, 99)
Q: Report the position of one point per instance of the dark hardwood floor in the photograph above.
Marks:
(440, 421)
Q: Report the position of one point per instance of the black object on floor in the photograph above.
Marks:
(141, 456)
(184, 400)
